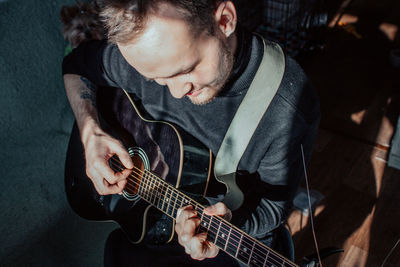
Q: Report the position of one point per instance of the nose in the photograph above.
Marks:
(178, 87)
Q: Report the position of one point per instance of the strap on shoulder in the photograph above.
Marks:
(249, 114)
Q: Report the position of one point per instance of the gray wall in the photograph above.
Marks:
(37, 227)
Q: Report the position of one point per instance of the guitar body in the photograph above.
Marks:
(171, 170)
(169, 153)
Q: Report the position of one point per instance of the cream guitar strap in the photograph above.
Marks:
(249, 114)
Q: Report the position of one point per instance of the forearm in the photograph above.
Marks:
(81, 94)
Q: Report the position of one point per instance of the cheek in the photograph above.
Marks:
(205, 76)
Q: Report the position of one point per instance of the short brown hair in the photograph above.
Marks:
(125, 19)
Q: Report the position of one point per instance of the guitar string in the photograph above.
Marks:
(254, 248)
(148, 195)
(216, 227)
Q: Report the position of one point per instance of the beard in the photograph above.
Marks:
(225, 66)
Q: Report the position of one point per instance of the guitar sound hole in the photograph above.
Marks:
(141, 165)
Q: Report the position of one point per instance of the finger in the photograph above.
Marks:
(98, 186)
(201, 248)
(123, 175)
(196, 248)
(98, 183)
(111, 188)
(219, 209)
(102, 168)
(210, 249)
(185, 213)
(187, 230)
(122, 154)
(121, 184)
(118, 177)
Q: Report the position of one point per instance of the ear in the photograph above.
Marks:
(226, 17)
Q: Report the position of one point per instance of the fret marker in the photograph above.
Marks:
(223, 235)
(204, 224)
(245, 249)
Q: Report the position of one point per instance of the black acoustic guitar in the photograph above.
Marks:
(172, 170)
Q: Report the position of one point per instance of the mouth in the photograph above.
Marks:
(194, 92)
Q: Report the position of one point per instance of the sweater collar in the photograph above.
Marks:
(242, 58)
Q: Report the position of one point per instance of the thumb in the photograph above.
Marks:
(126, 159)
(123, 156)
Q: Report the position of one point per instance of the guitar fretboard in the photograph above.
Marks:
(220, 232)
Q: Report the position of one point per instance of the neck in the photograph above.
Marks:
(233, 43)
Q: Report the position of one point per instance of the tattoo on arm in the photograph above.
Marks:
(88, 91)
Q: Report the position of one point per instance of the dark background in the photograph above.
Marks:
(37, 226)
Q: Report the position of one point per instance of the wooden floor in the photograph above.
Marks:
(360, 103)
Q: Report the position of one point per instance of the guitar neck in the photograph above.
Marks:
(219, 231)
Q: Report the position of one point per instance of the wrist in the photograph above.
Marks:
(88, 128)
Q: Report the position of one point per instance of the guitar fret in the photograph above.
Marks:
(205, 221)
(275, 260)
(151, 193)
(148, 193)
(166, 198)
(181, 202)
(161, 194)
(266, 258)
(140, 190)
(233, 244)
(251, 253)
(177, 205)
(238, 247)
(144, 181)
(259, 254)
(216, 235)
(154, 191)
(244, 250)
(222, 235)
(173, 197)
(167, 201)
(229, 236)
(158, 192)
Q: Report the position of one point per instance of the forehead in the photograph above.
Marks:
(166, 44)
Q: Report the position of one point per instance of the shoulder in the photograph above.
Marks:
(115, 64)
(120, 71)
(296, 93)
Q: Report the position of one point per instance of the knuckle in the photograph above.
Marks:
(112, 179)
(221, 206)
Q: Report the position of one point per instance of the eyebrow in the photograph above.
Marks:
(180, 71)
